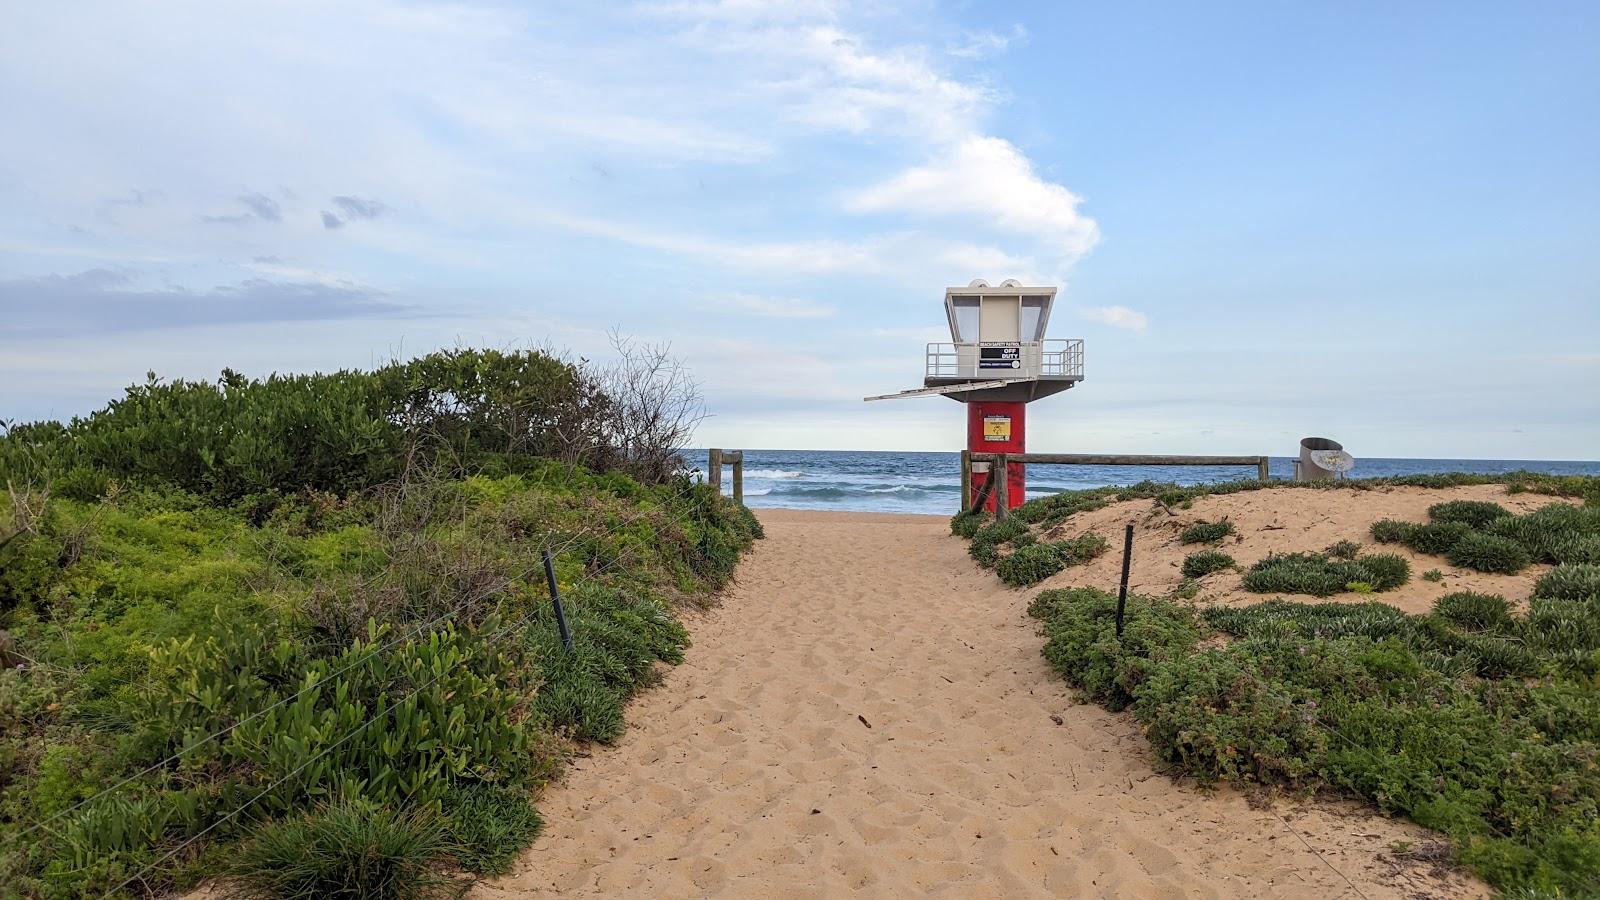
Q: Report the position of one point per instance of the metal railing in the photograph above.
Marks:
(1054, 358)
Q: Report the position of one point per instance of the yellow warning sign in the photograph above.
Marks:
(997, 428)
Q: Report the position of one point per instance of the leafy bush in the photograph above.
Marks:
(1476, 513)
(1321, 576)
(1572, 581)
(986, 543)
(1080, 624)
(1488, 553)
(1203, 562)
(1206, 532)
(1433, 575)
(966, 524)
(1030, 565)
(1556, 533)
(1475, 612)
(348, 850)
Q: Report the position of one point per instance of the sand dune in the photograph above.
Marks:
(867, 713)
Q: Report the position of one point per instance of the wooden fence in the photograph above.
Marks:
(714, 463)
(1000, 484)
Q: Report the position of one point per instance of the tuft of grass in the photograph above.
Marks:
(1344, 550)
(1203, 562)
(491, 824)
(1474, 513)
(1433, 575)
(1391, 531)
(1475, 612)
(1083, 548)
(346, 851)
(1489, 553)
(1206, 532)
(1570, 581)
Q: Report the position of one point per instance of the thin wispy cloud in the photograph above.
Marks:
(1116, 317)
(769, 307)
(984, 44)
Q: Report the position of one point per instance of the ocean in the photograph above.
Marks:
(929, 482)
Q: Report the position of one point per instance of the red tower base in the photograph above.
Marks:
(998, 427)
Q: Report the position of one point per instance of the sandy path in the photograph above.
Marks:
(748, 772)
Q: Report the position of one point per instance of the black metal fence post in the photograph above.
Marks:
(1122, 592)
(555, 599)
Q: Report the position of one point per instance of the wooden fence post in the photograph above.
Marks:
(1002, 487)
(1262, 467)
(714, 470)
(738, 477)
(966, 480)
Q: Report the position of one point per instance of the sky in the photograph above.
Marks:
(1375, 222)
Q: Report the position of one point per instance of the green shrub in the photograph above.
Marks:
(1390, 531)
(1203, 562)
(490, 825)
(1433, 575)
(1384, 571)
(1206, 532)
(348, 850)
(1475, 612)
(1476, 513)
(1030, 565)
(986, 542)
(1080, 624)
(1488, 553)
(1552, 532)
(1436, 538)
(1571, 581)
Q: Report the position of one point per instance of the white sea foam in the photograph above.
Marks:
(769, 474)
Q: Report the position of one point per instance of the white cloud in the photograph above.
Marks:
(989, 178)
(770, 307)
(1116, 317)
(985, 43)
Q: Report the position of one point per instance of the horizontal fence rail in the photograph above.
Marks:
(999, 462)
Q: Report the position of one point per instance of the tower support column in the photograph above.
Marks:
(995, 426)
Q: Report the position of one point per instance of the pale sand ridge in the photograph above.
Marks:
(747, 772)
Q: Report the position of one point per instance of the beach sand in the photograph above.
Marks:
(866, 712)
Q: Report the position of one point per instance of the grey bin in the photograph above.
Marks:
(1317, 463)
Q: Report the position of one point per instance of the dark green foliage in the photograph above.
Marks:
(1030, 565)
(1475, 612)
(1417, 713)
(1202, 563)
(491, 824)
(1488, 553)
(1476, 513)
(1573, 581)
(1433, 575)
(1437, 538)
(348, 851)
(1206, 532)
(1322, 576)
(1390, 531)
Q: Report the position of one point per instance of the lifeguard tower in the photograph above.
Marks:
(997, 362)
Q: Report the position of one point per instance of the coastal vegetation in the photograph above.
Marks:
(1475, 716)
(295, 633)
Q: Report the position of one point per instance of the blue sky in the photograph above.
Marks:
(1378, 222)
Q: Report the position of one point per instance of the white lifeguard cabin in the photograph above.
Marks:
(998, 360)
